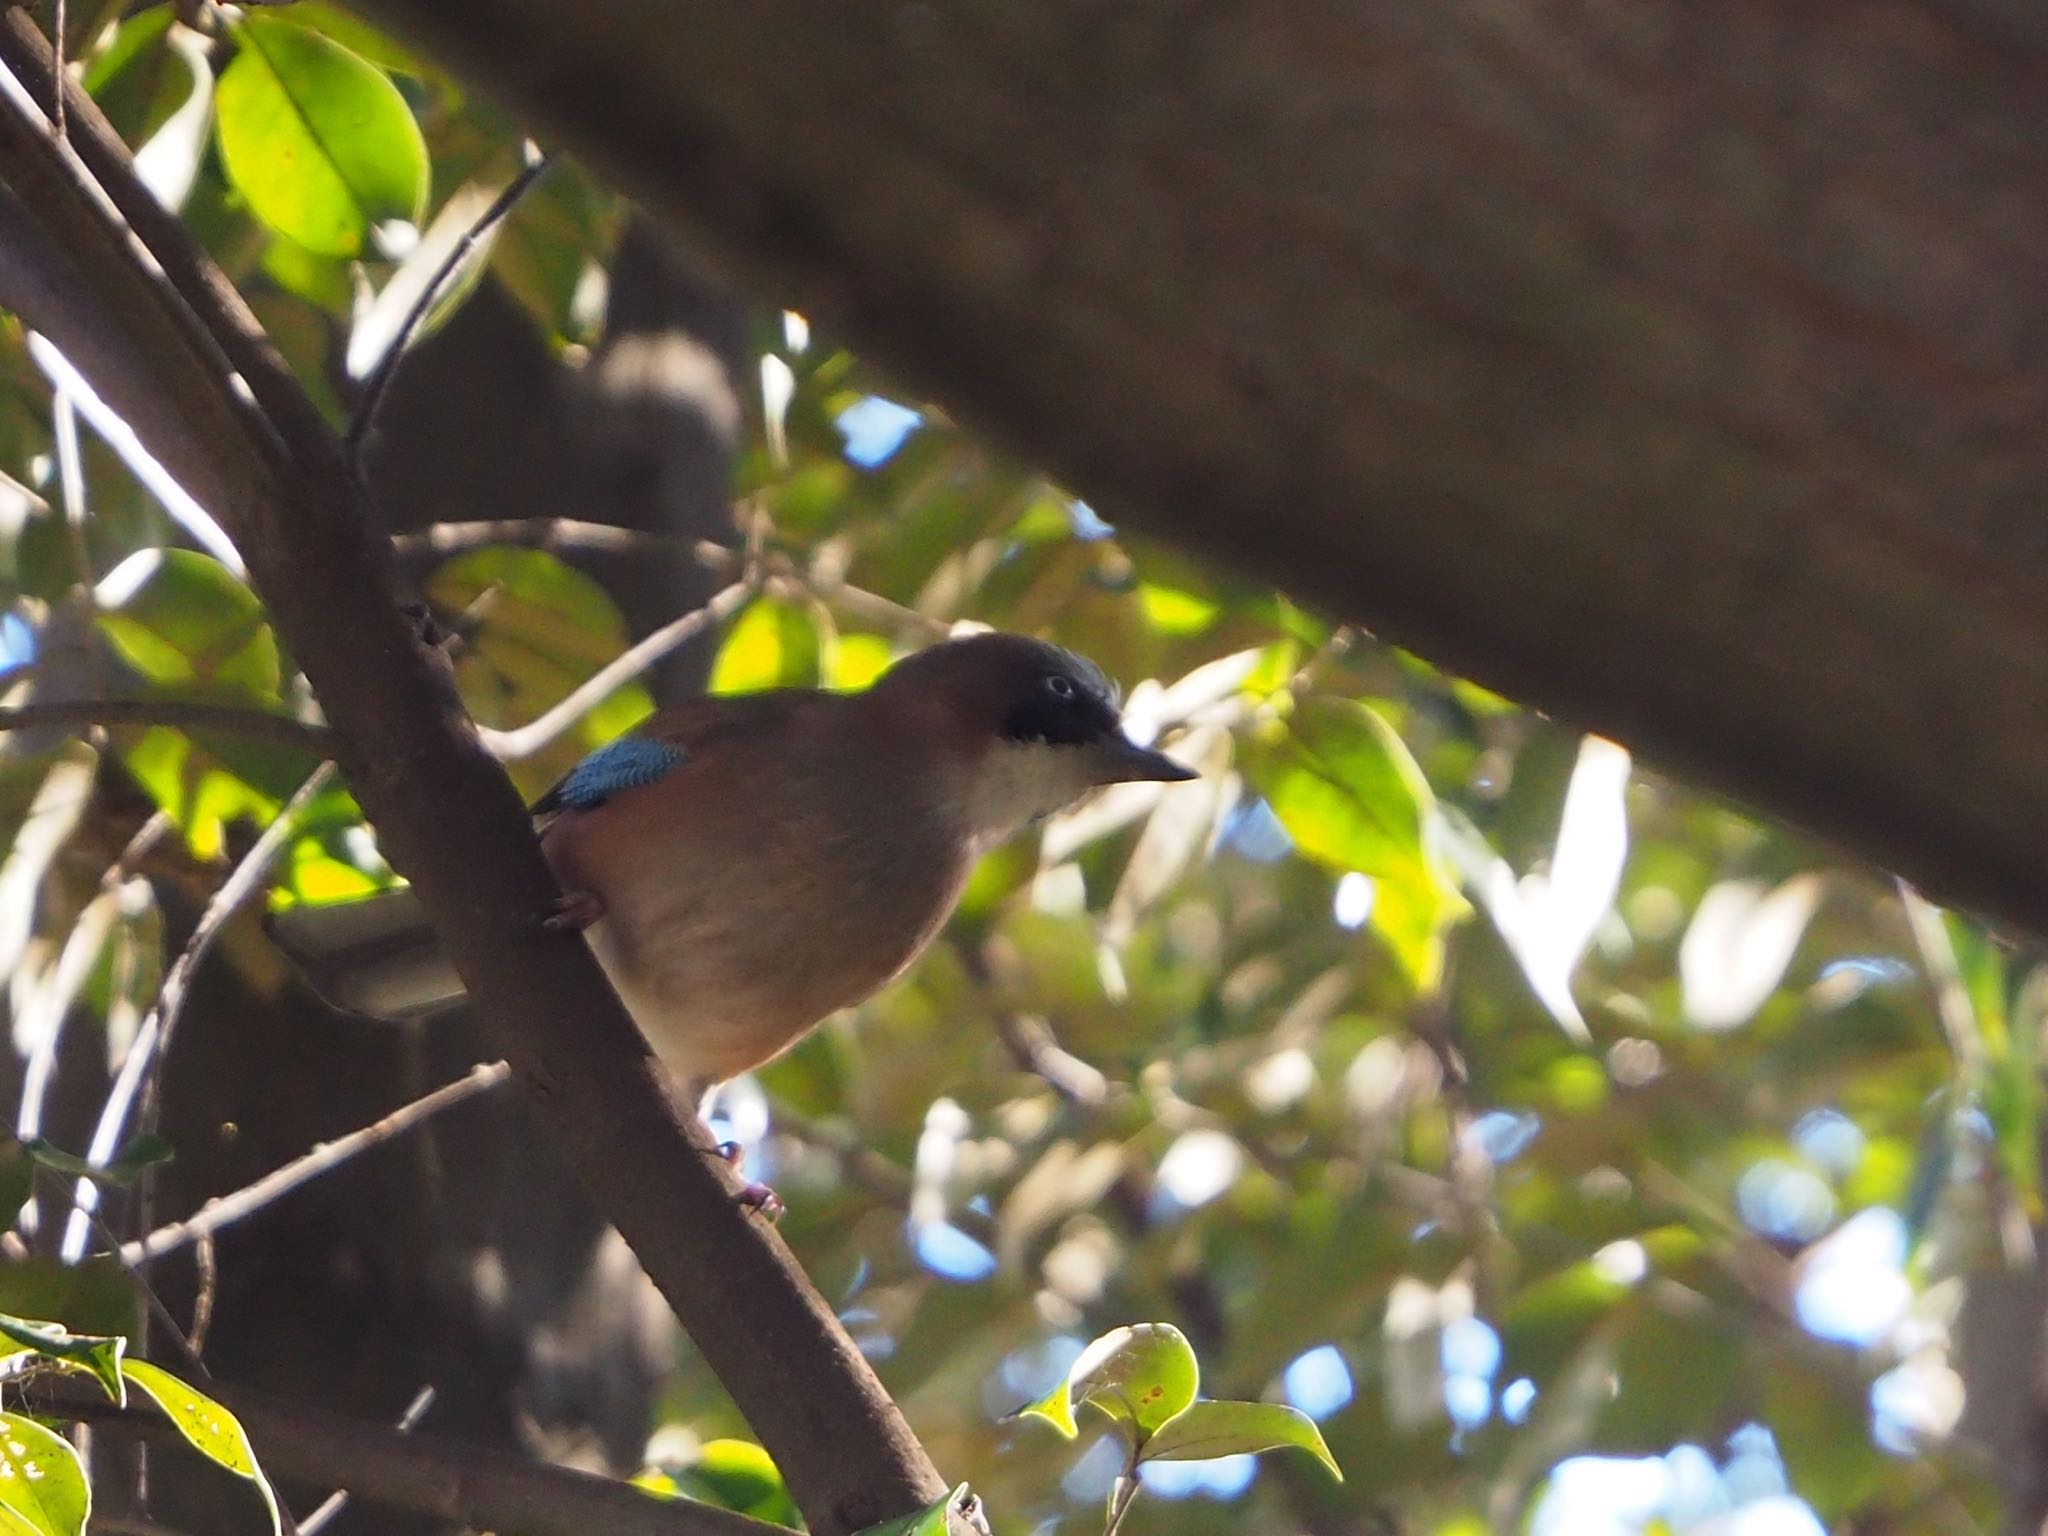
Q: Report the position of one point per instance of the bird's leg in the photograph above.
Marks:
(573, 912)
(754, 1196)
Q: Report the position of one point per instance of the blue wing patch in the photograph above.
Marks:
(624, 764)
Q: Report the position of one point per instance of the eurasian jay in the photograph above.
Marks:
(744, 866)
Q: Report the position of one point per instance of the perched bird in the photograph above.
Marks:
(744, 866)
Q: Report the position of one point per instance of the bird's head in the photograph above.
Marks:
(1034, 726)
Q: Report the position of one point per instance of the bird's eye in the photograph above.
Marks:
(1059, 687)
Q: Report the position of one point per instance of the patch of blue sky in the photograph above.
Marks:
(1784, 1201)
(1224, 1478)
(1503, 1136)
(1252, 831)
(1088, 524)
(17, 641)
(875, 429)
(1318, 1382)
(951, 1254)
(1831, 1139)
(1853, 1288)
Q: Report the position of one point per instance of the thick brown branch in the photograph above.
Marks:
(450, 820)
(473, 1487)
(1678, 370)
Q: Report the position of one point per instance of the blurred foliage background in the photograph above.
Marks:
(1584, 1154)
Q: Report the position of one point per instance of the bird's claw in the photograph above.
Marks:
(754, 1196)
(759, 1197)
(572, 912)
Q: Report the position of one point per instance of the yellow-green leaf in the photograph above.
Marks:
(214, 1432)
(1206, 1430)
(1141, 1375)
(43, 1489)
(772, 644)
(317, 138)
(954, 1515)
(182, 619)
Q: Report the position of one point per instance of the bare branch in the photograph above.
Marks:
(330, 1508)
(226, 1210)
(279, 730)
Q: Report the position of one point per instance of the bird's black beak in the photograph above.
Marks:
(1123, 761)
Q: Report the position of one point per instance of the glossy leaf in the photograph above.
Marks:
(1352, 797)
(1141, 1375)
(317, 138)
(43, 1487)
(211, 1430)
(1212, 1429)
(957, 1514)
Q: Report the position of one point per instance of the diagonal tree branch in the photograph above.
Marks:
(450, 820)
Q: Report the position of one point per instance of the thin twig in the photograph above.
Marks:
(552, 533)
(205, 1290)
(153, 1038)
(379, 382)
(178, 714)
(621, 669)
(325, 1158)
(330, 1508)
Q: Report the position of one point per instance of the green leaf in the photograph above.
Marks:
(93, 1299)
(95, 1354)
(954, 1515)
(43, 1488)
(1141, 1375)
(740, 1476)
(214, 1432)
(537, 629)
(1212, 1429)
(138, 80)
(140, 1154)
(182, 618)
(772, 644)
(1352, 797)
(316, 137)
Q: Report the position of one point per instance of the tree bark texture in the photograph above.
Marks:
(1676, 369)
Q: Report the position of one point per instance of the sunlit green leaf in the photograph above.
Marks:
(943, 1517)
(137, 80)
(740, 1476)
(43, 1488)
(212, 1431)
(772, 644)
(317, 138)
(1205, 1430)
(1349, 793)
(1141, 1375)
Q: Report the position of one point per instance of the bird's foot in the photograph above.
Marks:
(572, 912)
(754, 1196)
